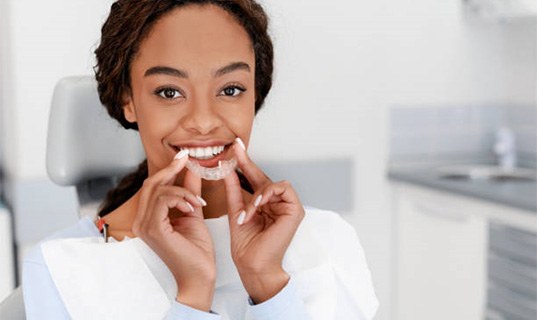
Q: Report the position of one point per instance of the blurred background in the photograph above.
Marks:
(415, 118)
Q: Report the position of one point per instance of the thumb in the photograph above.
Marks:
(235, 202)
(168, 174)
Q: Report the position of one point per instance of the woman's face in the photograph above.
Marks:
(193, 86)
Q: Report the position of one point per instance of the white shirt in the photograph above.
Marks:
(329, 277)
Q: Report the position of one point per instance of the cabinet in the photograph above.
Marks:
(458, 257)
(7, 281)
(441, 246)
(512, 273)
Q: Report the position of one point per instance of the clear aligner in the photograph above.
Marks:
(224, 168)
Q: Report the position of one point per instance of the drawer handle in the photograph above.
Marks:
(441, 214)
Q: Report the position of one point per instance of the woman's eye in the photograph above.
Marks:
(232, 91)
(168, 93)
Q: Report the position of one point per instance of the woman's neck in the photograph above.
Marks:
(215, 195)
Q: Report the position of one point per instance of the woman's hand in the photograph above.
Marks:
(183, 243)
(262, 229)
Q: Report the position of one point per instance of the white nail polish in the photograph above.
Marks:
(181, 154)
(190, 206)
(240, 220)
(258, 200)
(240, 143)
(202, 201)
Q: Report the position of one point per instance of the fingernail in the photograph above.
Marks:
(181, 154)
(240, 143)
(258, 200)
(240, 220)
(202, 202)
(190, 206)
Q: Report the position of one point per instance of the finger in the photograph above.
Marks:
(185, 193)
(252, 172)
(159, 220)
(166, 190)
(167, 175)
(192, 183)
(172, 201)
(281, 192)
(288, 214)
(185, 207)
(252, 206)
(235, 202)
(162, 224)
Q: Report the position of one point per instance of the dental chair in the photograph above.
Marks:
(87, 149)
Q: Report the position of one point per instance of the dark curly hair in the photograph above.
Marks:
(128, 23)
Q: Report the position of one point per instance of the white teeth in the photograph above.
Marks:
(204, 153)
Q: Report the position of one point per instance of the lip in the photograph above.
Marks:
(199, 144)
(209, 163)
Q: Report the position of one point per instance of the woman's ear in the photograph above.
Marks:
(129, 112)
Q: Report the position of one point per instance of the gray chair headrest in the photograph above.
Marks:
(83, 141)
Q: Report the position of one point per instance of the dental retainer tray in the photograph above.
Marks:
(224, 168)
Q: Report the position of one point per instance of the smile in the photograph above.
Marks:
(203, 153)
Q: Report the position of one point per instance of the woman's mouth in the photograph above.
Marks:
(207, 156)
(203, 153)
(209, 162)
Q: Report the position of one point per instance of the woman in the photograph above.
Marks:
(190, 77)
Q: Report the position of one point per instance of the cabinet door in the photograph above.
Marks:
(441, 268)
(7, 272)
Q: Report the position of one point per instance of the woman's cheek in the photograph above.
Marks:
(161, 120)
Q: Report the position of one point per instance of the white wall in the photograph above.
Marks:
(49, 40)
(520, 50)
(5, 84)
(339, 66)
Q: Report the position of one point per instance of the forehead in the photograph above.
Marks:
(195, 38)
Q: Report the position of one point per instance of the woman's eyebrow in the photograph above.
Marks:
(167, 71)
(183, 74)
(232, 67)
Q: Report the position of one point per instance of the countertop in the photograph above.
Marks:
(518, 194)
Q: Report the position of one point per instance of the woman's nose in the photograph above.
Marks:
(201, 119)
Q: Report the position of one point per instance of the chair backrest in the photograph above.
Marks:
(85, 146)
(12, 307)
